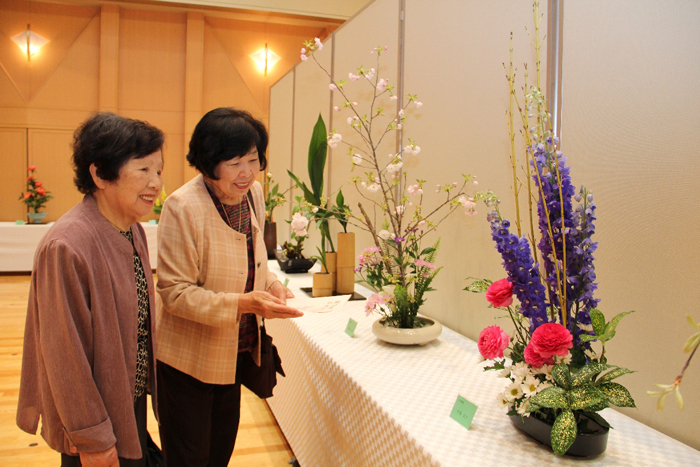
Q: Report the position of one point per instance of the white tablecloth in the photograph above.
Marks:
(18, 244)
(361, 402)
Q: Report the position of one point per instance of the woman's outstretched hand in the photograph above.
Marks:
(266, 305)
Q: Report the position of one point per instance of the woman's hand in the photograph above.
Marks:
(280, 291)
(266, 305)
(106, 458)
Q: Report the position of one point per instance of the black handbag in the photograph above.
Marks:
(262, 379)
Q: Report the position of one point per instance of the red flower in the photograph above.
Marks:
(30, 178)
(551, 339)
(534, 359)
(37, 184)
(41, 191)
(31, 167)
(27, 195)
(492, 342)
(500, 293)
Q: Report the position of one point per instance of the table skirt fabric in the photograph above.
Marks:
(362, 402)
(18, 244)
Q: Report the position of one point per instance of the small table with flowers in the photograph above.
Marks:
(361, 402)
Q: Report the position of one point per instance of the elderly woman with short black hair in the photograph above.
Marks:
(88, 356)
(215, 287)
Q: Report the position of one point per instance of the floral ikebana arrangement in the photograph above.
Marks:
(36, 196)
(554, 373)
(399, 267)
(158, 204)
(273, 196)
(273, 199)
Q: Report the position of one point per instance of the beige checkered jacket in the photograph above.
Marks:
(202, 270)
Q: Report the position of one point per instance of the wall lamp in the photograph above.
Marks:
(265, 59)
(29, 41)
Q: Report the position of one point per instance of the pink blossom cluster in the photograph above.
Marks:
(377, 300)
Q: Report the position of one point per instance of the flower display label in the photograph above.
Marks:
(19, 222)
(350, 328)
(463, 412)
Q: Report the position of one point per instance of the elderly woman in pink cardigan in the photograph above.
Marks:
(214, 287)
(87, 364)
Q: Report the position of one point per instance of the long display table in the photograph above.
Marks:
(361, 402)
(18, 244)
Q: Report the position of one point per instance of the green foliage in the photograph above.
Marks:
(478, 285)
(604, 331)
(563, 432)
(577, 393)
(318, 149)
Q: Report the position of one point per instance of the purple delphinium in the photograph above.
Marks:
(550, 172)
(582, 284)
(523, 274)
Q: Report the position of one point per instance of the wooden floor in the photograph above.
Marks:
(260, 442)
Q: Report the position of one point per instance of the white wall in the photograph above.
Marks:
(631, 114)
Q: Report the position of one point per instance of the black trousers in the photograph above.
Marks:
(198, 421)
(140, 409)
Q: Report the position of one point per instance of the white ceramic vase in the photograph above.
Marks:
(408, 336)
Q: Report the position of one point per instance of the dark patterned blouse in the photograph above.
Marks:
(144, 308)
(237, 216)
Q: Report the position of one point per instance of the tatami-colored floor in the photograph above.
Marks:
(260, 442)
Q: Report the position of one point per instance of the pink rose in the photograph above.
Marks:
(500, 293)
(41, 191)
(534, 359)
(551, 339)
(492, 342)
(31, 167)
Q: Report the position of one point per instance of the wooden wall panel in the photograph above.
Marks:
(74, 83)
(152, 60)
(13, 142)
(50, 152)
(223, 85)
(59, 23)
(242, 38)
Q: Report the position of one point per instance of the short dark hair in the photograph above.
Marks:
(110, 141)
(224, 134)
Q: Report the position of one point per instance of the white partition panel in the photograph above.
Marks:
(454, 62)
(280, 148)
(311, 97)
(377, 25)
(631, 128)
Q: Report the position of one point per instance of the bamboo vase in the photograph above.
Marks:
(345, 283)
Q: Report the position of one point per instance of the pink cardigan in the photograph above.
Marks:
(202, 270)
(79, 360)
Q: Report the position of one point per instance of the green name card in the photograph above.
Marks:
(350, 328)
(19, 222)
(463, 412)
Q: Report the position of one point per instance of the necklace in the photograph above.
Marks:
(240, 216)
